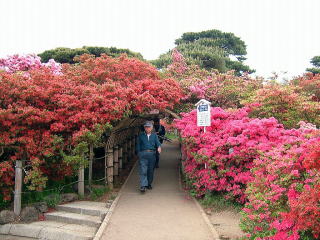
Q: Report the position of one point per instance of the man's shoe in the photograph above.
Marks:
(142, 189)
(149, 187)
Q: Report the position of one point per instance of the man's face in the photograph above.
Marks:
(148, 129)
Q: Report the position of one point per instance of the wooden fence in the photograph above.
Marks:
(119, 150)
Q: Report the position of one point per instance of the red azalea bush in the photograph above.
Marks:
(6, 179)
(257, 162)
(309, 84)
(43, 115)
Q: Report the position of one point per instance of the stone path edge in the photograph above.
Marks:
(213, 231)
(106, 219)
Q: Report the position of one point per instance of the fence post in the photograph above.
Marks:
(120, 157)
(116, 160)
(81, 179)
(124, 154)
(129, 148)
(17, 188)
(110, 167)
(90, 163)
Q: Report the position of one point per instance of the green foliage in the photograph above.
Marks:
(218, 202)
(307, 235)
(53, 200)
(112, 52)
(67, 55)
(315, 61)
(36, 178)
(77, 157)
(232, 44)
(238, 66)
(98, 192)
(3, 203)
(210, 49)
(313, 70)
(171, 135)
(94, 137)
(285, 103)
(51, 194)
(62, 54)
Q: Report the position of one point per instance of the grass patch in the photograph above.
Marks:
(171, 135)
(217, 202)
(97, 192)
(52, 200)
(51, 194)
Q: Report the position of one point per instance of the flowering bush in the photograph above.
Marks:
(257, 162)
(23, 63)
(284, 196)
(224, 90)
(221, 158)
(284, 102)
(309, 84)
(44, 115)
(6, 179)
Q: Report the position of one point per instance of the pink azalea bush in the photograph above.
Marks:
(23, 63)
(284, 196)
(253, 161)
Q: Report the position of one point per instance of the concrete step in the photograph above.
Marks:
(8, 237)
(57, 230)
(49, 230)
(85, 207)
(73, 218)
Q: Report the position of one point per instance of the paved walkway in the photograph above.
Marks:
(164, 213)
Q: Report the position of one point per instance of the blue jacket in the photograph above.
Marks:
(144, 144)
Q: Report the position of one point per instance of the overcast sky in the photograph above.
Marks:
(281, 35)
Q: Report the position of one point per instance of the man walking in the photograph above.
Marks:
(147, 145)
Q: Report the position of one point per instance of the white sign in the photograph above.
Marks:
(203, 113)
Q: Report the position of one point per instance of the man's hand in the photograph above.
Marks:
(159, 149)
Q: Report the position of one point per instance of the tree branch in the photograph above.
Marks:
(172, 113)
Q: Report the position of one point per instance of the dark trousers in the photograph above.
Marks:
(157, 159)
(146, 167)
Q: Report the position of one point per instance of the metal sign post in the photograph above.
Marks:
(203, 115)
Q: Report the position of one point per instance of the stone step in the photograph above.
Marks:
(8, 237)
(74, 218)
(57, 230)
(49, 230)
(85, 207)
